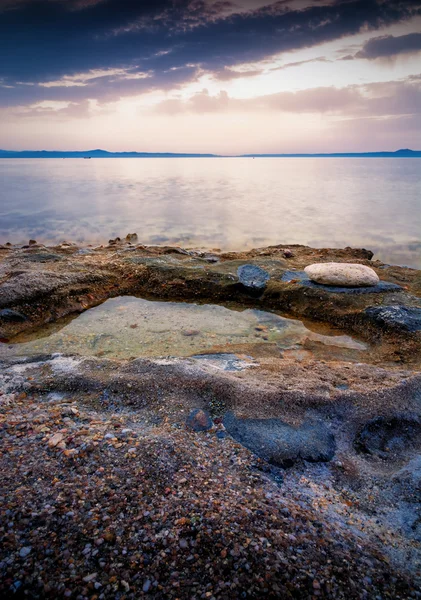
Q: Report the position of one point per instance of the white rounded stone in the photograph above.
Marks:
(342, 274)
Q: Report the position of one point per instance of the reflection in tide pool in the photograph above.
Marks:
(128, 327)
(227, 203)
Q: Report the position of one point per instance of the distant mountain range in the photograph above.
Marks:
(404, 153)
(94, 154)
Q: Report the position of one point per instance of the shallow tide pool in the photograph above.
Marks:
(128, 327)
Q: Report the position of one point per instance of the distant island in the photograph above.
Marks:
(404, 153)
(95, 154)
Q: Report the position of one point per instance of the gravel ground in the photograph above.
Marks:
(99, 505)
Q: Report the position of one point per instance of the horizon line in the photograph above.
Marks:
(100, 153)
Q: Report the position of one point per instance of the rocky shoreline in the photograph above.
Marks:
(241, 473)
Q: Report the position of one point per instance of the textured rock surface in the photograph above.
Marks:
(116, 497)
(399, 317)
(253, 277)
(97, 451)
(84, 277)
(342, 274)
(389, 437)
(280, 443)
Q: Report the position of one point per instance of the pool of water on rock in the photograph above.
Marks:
(127, 327)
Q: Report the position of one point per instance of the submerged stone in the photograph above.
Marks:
(280, 443)
(342, 274)
(11, 316)
(253, 277)
(225, 361)
(407, 318)
(199, 420)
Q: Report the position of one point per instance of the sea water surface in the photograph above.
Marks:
(227, 203)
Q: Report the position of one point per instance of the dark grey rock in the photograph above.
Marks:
(389, 437)
(302, 279)
(253, 277)
(280, 443)
(199, 420)
(11, 316)
(395, 316)
(43, 257)
(29, 285)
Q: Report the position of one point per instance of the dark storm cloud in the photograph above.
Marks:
(390, 46)
(106, 88)
(46, 40)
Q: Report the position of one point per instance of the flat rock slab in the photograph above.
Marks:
(281, 444)
(400, 317)
(302, 278)
(42, 257)
(342, 274)
(253, 277)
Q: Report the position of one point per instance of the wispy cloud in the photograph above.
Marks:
(95, 75)
(394, 98)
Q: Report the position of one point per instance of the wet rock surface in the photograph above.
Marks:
(226, 361)
(11, 316)
(281, 444)
(396, 317)
(46, 291)
(390, 437)
(253, 277)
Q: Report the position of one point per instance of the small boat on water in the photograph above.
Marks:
(87, 157)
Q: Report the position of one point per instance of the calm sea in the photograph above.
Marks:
(228, 203)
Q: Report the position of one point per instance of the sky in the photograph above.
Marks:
(220, 76)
